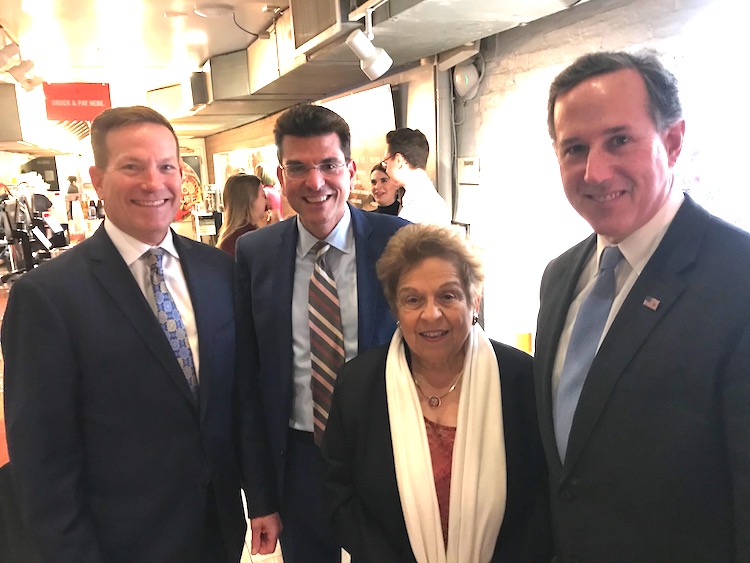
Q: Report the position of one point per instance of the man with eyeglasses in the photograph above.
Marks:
(276, 265)
(405, 164)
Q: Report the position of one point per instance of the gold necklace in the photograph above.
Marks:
(436, 400)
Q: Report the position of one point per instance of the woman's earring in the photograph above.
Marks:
(475, 319)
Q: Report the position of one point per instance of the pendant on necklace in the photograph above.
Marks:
(434, 401)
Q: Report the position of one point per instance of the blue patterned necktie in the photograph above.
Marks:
(169, 318)
(326, 338)
(584, 343)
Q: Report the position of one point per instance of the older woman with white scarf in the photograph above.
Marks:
(432, 444)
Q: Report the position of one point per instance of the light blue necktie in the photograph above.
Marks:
(583, 345)
(169, 318)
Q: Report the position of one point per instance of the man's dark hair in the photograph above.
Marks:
(308, 120)
(114, 118)
(663, 94)
(411, 144)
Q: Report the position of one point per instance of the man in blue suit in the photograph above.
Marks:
(654, 465)
(120, 449)
(275, 266)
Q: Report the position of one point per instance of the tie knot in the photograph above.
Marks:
(154, 257)
(611, 256)
(320, 248)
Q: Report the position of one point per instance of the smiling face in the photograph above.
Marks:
(142, 182)
(383, 188)
(318, 199)
(616, 167)
(435, 314)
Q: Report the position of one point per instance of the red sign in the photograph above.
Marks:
(76, 101)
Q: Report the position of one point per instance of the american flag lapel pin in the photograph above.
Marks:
(651, 302)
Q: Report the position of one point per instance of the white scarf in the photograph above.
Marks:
(478, 473)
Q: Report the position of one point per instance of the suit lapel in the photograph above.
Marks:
(110, 269)
(282, 259)
(662, 279)
(367, 281)
(200, 290)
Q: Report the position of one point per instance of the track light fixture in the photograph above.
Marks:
(374, 61)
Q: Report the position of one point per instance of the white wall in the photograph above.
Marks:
(527, 221)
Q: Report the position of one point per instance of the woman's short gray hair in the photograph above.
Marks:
(414, 243)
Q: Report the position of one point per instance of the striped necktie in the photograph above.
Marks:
(583, 345)
(169, 318)
(326, 338)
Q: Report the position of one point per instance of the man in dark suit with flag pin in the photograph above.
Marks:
(642, 360)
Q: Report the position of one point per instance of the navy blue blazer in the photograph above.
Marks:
(112, 458)
(658, 463)
(266, 259)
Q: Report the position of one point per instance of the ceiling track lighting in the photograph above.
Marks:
(212, 10)
(374, 61)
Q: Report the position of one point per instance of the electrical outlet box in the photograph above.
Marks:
(468, 170)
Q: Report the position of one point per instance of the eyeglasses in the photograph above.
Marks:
(384, 162)
(327, 169)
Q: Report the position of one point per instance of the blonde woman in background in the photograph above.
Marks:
(244, 209)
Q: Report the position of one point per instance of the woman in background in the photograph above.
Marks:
(432, 444)
(385, 191)
(244, 209)
(276, 213)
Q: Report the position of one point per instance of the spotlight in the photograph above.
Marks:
(374, 61)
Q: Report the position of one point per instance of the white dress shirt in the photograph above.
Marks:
(342, 260)
(637, 250)
(132, 251)
(421, 202)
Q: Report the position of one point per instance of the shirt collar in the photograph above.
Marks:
(341, 237)
(638, 247)
(130, 248)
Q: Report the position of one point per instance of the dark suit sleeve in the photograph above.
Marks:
(355, 530)
(258, 477)
(43, 410)
(736, 401)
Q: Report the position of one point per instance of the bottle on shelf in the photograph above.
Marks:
(92, 209)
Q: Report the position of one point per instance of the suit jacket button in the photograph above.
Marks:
(565, 494)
